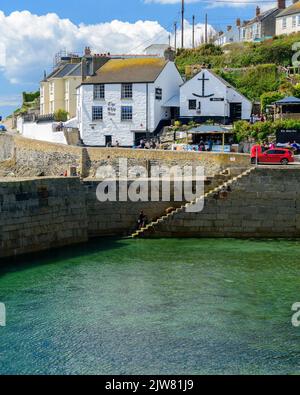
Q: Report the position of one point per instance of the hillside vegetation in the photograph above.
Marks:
(256, 65)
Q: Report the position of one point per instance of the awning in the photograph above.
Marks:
(209, 129)
(288, 100)
(173, 102)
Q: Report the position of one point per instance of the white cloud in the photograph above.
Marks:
(31, 41)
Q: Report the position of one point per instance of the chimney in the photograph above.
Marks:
(98, 62)
(169, 54)
(83, 69)
(87, 51)
(238, 22)
(229, 27)
(281, 5)
(221, 33)
(258, 10)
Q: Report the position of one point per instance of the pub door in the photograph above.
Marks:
(235, 112)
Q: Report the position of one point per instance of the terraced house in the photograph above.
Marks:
(288, 21)
(126, 100)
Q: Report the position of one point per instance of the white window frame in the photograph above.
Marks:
(126, 91)
(126, 116)
(284, 23)
(97, 113)
(99, 92)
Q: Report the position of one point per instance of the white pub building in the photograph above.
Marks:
(125, 100)
(130, 99)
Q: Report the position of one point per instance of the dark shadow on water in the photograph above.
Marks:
(55, 255)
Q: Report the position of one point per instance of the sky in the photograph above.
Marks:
(32, 31)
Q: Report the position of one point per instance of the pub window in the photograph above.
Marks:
(97, 113)
(99, 91)
(158, 94)
(298, 20)
(294, 21)
(192, 104)
(126, 113)
(126, 91)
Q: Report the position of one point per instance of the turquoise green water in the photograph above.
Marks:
(153, 307)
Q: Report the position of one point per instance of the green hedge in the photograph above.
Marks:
(261, 130)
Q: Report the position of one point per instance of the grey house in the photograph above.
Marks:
(263, 26)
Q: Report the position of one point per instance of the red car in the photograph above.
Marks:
(282, 156)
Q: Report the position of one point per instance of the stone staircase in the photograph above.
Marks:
(219, 182)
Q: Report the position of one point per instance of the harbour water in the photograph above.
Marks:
(211, 306)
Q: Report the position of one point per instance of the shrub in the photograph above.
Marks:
(269, 98)
(61, 115)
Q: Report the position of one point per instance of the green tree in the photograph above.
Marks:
(269, 98)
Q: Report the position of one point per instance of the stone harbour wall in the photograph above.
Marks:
(43, 213)
(264, 204)
(33, 157)
(39, 214)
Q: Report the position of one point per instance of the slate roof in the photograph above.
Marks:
(67, 70)
(261, 16)
(134, 70)
(292, 9)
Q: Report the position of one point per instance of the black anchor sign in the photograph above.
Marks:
(203, 79)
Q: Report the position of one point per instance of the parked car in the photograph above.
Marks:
(272, 156)
(2, 128)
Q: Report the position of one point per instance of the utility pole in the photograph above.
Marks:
(182, 23)
(169, 40)
(175, 36)
(206, 29)
(193, 42)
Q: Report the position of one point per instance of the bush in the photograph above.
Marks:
(261, 130)
(61, 115)
(269, 98)
(29, 97)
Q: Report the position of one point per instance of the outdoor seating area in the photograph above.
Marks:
(209, 138)
(287, 108)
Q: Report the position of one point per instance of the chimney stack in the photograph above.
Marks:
(229, 27)
(169, 54)
(87, 51)
(238, 22)
(281, 5)
(258, 10)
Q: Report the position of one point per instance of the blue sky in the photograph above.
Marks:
(32, 41)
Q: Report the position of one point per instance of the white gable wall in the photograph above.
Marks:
(169, 81)
(209, 108)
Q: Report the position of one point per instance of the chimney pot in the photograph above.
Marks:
(258, 10)
(238, 22)
(281, 4)
(229, 27)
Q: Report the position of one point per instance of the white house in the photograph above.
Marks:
(125, 100)
(156, 50)
(288, 21)
(232, 35)
(207, 96)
